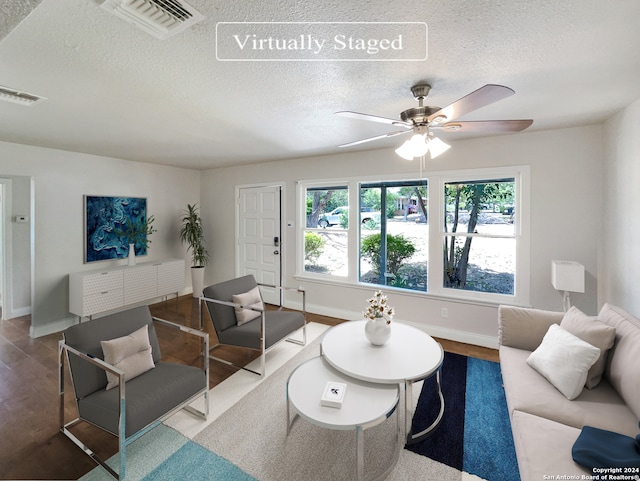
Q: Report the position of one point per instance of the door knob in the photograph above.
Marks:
(276, 252)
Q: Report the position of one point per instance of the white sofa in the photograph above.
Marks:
(545, 423)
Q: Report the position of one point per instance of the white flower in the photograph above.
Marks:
(378, 307)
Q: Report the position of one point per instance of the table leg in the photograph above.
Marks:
(411, 437)
(359, 453)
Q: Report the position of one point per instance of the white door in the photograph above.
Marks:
(259, 237)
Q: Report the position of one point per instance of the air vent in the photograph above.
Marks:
(18, 97)
(160, 18)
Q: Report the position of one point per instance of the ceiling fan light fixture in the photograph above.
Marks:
(405, 151)
(416, 146)
(437, 147)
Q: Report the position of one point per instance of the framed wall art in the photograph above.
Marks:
(106, 222)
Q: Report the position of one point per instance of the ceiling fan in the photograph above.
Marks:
(422, 120)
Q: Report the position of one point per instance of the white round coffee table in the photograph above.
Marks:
(408, 356)
(365, 405)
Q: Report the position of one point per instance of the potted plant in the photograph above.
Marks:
(136, 234)
(192, 233)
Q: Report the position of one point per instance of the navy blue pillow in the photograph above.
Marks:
(597, 448)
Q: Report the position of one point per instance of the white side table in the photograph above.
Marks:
(409, 355)
(365, 405)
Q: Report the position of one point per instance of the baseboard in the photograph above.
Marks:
(435, 331)
(52, 327)
(455, 335)
(21, 311)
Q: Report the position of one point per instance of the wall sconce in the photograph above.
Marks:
(567, 276)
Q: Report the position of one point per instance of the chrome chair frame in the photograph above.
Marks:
(263, 350)
(64, 350)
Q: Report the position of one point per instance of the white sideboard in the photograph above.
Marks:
(91, 292)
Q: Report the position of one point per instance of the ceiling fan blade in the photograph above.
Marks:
(373, 118)
(486, 126)
(478, 98)
(390, 134)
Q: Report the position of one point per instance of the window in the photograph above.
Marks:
(461, 234)
(325, 235)
(479, 236)
(394, 247)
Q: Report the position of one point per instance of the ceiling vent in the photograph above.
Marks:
(17, 97)
(160, 18)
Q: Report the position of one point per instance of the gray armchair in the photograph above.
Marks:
(137, 405)
(263, 332)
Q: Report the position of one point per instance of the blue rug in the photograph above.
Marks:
(164, 454)
(475, 433)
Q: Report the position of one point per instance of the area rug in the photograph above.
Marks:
(249, 441)
(475, 433)
(252, 434)
(163, 454)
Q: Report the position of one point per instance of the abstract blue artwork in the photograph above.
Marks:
(105, 219)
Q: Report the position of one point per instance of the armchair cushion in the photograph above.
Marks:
(89, 378)
(149, 397)
(251, 298)
(131, 354)
(279, 324)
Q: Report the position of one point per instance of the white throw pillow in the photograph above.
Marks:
(251, 298)
(131, 354)
(564, 360)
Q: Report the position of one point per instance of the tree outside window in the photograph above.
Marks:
(479, 236)
(325, 236)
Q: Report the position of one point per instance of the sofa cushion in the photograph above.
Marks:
(524, 328)
(543, 448)
(527, 390)
(596, 333)
(623, 364)
(130, 353)
(565, 360)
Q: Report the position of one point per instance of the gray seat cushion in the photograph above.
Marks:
(149, 397)
(278, 325)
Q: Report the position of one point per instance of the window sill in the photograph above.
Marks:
(469, 299)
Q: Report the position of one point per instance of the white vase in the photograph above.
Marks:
(197, 280)
(132, 254)
(377, 331)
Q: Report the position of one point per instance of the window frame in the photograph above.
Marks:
(436, 212)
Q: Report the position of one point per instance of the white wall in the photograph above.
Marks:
(565, 196)
(60, 180)
(619, 255)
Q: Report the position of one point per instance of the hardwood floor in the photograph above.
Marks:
(31, 446)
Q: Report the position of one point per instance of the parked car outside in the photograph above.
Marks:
(333, 217)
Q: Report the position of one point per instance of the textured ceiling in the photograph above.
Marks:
(115, 90)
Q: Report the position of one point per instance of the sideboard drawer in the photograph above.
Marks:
(93, 292)
(102, 281)
(103, 301)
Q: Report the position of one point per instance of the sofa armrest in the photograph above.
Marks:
(524, 328)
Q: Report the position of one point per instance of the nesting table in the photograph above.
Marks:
(365, 405)
(408, 356)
